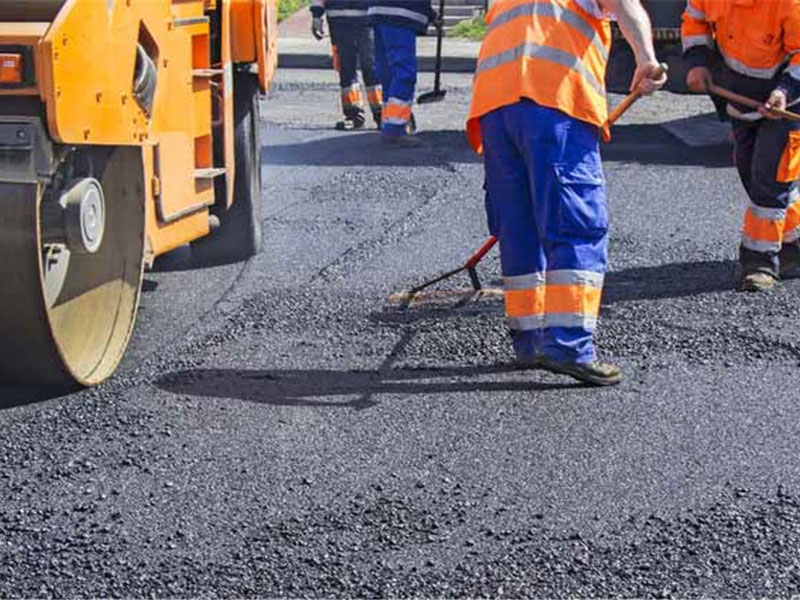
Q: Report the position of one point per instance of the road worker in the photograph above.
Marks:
(538, 112)
(353, 46)
(397, 24)
(756, 45)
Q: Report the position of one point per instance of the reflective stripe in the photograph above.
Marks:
(586, 322)
(690, 41)
(548, 9)
(531, 50)
(697, 15)
(792, 235)
(575, 277)
(399, 102)
(534, 322)
(793, 71)
(397, 12)
(397, 112)
(351, 95)
(759, 246)
(766, 213)
(525, 323)
(523, 282)
(757, 72)
(375, 95)
(346, 12)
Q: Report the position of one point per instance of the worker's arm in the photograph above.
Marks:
(788, 89)
(698, 41)
(635, 25)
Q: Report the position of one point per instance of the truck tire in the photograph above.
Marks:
(239, 235)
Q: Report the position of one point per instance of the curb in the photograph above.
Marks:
(425, 64)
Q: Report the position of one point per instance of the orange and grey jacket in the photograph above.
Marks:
(345, 12)
(553, 52)
(758, 40)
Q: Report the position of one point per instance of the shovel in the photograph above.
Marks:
(438, 94)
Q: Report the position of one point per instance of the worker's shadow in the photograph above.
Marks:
(366, 149)
(674, 280)
(344, 388)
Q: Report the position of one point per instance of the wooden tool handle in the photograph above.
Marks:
(749, 102)
(628, 101)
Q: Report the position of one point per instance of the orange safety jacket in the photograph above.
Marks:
(550, 51)
(756, 38)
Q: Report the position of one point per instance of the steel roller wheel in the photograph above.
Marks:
(66, 315)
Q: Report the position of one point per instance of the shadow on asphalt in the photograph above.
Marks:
(654, 145)
(674, 280)
(13, 397)
(310, 387)
(366, 149)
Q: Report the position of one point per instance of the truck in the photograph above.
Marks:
(665, 16)
(128, 128)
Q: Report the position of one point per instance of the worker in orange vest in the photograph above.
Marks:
(538, 111)
(757, 46)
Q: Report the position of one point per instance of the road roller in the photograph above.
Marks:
(128, 128)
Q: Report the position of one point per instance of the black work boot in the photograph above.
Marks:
(349, 124)
(789, 258)
(594, 373)
(757, 281)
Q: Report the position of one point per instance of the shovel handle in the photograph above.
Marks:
(628, 101)
(750, 102)
(481, 252)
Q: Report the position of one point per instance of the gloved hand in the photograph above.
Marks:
(317, 28)
(777, 99)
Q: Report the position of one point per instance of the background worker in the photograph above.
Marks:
(538, 110)
(353, 45)
(758, 42)
(397, 24)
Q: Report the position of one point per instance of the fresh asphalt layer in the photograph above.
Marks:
(280, 429)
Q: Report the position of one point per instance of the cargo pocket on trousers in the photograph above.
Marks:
(581, 209)
(789, 167)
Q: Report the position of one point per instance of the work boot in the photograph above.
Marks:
(349, 124)
(594, 373)
(757, 281)
(789, 258)
(411, 128)
(377, 116)
(401, 141)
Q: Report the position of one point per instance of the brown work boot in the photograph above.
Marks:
(594, 373)
(757, 281)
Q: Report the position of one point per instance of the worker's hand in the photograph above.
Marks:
(317, 28)
(648, 77)
(777, 99)
(699, 80)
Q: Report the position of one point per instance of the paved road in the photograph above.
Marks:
(280, 429)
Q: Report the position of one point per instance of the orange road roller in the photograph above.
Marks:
(128, 128)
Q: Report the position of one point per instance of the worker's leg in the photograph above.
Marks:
(566, 173)
(744, 141)
(366, 60)
(344, 38)
(510, 213)
(775, 166)
(400, 45)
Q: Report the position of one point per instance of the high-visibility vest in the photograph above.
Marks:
(345, 12)
(756, 38)
(550, 51)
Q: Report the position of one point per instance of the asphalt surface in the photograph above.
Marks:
(279, 428)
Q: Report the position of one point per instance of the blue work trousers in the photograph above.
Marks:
(545, 201)
(396, 66)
